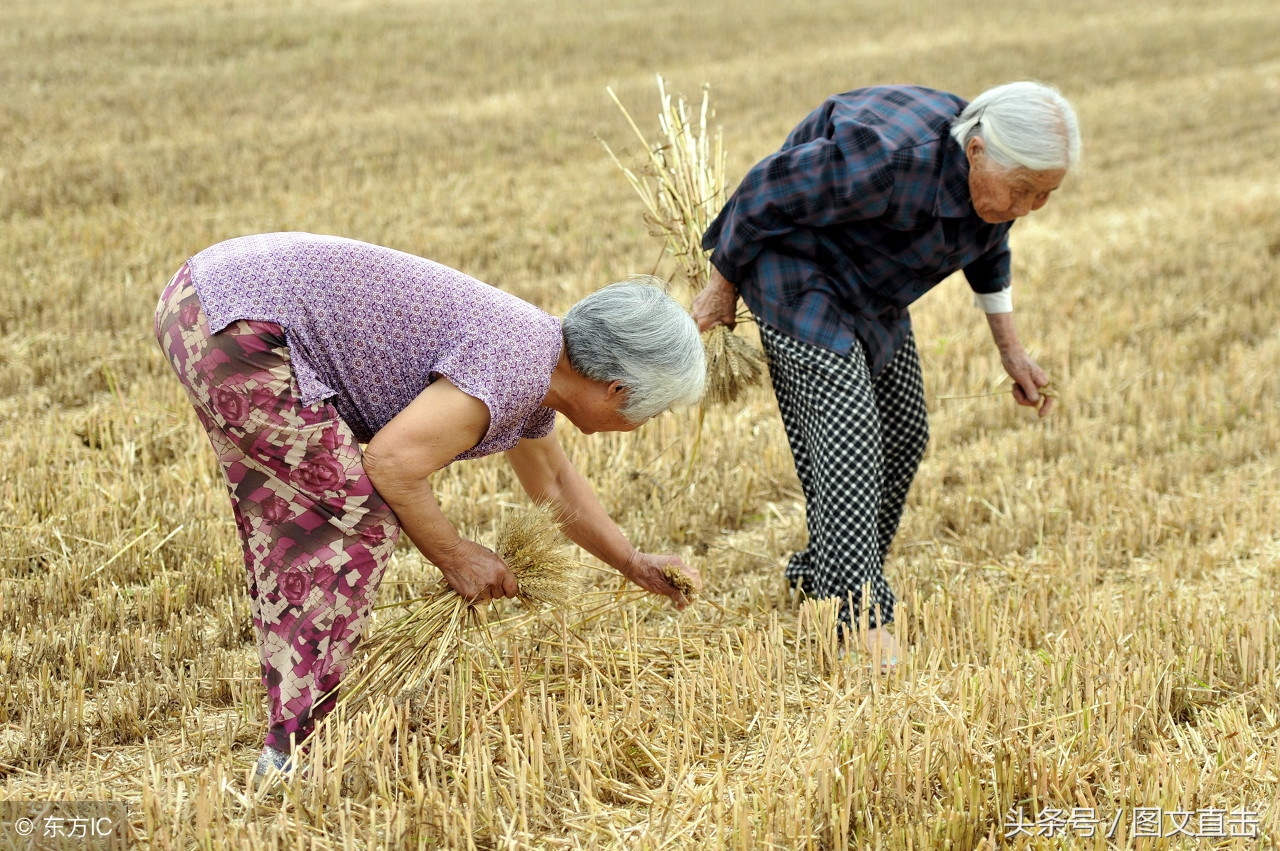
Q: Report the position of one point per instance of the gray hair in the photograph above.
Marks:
(1022, 124)
(634, 333)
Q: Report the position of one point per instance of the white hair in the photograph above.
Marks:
(634, 333)
(1025, 124)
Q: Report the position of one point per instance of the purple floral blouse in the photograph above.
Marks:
(369, 327)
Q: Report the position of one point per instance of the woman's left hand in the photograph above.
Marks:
(1028, 378)
(646, 570)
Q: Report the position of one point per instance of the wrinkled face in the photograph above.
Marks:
(1002, 195)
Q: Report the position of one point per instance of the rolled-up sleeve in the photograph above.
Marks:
(812, 185)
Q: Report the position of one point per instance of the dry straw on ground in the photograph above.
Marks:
(1090, 599)
(682, 186)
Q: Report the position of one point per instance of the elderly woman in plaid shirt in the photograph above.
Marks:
(875, 198)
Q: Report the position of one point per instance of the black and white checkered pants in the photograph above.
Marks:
(857, 442)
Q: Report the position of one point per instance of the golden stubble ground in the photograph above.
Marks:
(1091, 600)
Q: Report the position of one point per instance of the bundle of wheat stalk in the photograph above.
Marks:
(409, 650)
(682, 186)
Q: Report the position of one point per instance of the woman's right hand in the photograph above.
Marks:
(477, 573)
(717, 304)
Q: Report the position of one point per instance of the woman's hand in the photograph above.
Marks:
(1028, 378)
(476, 572)
(646, 570)
(1027, 375)
(717, 304)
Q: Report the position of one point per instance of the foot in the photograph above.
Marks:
(883, 650)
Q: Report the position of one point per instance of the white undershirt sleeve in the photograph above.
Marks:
(998, 302)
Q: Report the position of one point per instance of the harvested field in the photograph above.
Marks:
(1090, 600)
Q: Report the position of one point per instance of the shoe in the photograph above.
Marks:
(274, 767)
(882, 648)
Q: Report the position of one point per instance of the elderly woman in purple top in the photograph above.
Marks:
(296, 349)
(875, 198)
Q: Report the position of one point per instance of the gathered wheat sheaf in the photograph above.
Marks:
(733, 365)
(533, 547)
(409, 650)
(682, 186)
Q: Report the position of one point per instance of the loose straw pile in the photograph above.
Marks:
(682, 186)
(409, 650)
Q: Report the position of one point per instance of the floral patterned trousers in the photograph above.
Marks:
(316, 534)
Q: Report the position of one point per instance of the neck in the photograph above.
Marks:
(566, 384)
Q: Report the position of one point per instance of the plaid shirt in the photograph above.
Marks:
(864, 209)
